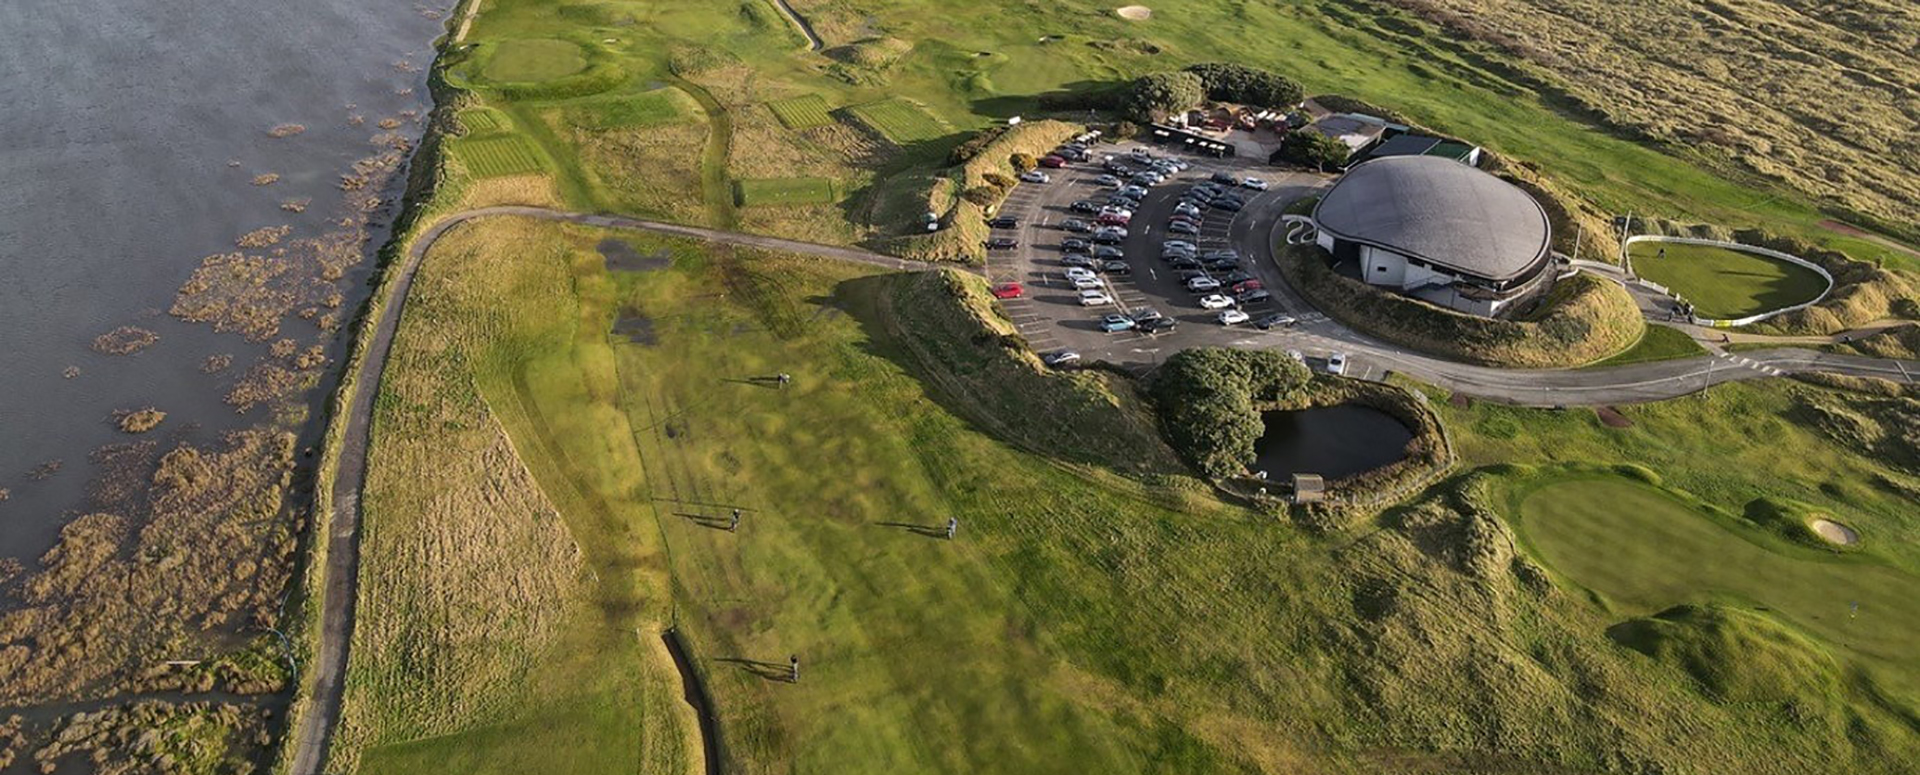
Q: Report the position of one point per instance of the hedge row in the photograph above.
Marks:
(1584, 318)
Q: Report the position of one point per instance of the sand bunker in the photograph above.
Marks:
(1135, 12)
(1835, 532)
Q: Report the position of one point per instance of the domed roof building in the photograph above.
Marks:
(1438, 230)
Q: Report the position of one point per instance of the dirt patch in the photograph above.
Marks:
(1834, 532)
(621, 257)
(1135, 13)
(1612, 417)
(638, 329)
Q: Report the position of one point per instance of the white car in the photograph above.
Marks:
(1337, 363)
(1229, 317)
(1095, 298)
(1186, 208)
(1088, 283)
(1215, 301)
(1179, 243)
(1034, 176)
(1078, 272)
(1254, 183)
(1203, 285)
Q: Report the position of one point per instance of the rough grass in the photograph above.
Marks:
(501, 626)
(1725, 284)
(647, 108)
(901, 120)
(803, 112)
(1583, 319)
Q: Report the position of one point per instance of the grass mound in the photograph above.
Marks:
(1734, 655)
(518, 60)
(1723, 283)
(1658, 343)
(1583, 319)
(987, 373)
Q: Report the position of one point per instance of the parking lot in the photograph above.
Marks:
(1050, 313)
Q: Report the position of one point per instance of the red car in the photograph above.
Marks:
(1053, 161)
(1008, 291)
(1249, 285)
(1115, 219)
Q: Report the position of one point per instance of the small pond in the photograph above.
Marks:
(1332, 441)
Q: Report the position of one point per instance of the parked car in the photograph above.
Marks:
(1254, 296)
(1075, 245)
(1215, 301)
(1221, 253)
(1116, 166)
(1203, 284)
(1224, 177)
(1108, 252)
(1220, 264)
(1060, 358)
(1276, 320)
(1035, 176)
(1254, 183)
(1004, 222)
(1077, 273)
(1337, 363)
(1186, 208)
(1095, 299)
(1084, 206)
(1120, 218)
(1168, 252)
(1192, 274)
(1188, 220)
(1080, 260)
(1052, 161)
(1229, 317)
(1002, 243)
(1182, 227)
(1109, 236)
(1247, 285)
(1123, 202)
(1157, 325)
(1088, 283)
(1076, 225)
(1116, 323)
(1235, 278)
(1229, 205)
(1179, 243)
(1147, 179)
(1145, 314)
(1183, 262)
(1134, 191)
(1116, 267)
(1008, 291)
(1107, 181)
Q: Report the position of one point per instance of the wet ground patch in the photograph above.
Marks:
(621, 257)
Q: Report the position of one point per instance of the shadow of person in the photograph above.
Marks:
(770, 671)
(707, 521)
(930, 531)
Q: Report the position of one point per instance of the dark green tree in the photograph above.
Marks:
(1154, 96)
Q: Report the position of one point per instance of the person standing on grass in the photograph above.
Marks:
(793, 669)
(785, 378)
(734, 524)
(953, 526)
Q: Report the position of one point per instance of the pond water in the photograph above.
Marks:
(1332, 441)
(133, 143)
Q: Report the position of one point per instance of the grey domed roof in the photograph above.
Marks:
(1438, 210)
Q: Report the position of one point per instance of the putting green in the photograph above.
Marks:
(1723, 283)
(531, 60)
(1646, 550)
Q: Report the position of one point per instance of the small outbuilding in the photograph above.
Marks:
(1309, 488)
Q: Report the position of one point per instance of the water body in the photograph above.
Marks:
(130, 135)
(1332, 441)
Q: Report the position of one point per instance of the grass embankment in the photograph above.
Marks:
(977, 185)
(1582, 320)
(1076, 623)
(511, 597)
(1657, 343)
(1722, 283)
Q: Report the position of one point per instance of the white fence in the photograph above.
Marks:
(1627, 261)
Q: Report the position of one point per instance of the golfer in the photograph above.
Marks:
(953, 526)
(735, 523)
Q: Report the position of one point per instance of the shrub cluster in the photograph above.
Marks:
(1154, 96)
(1240, 84)
(1311, 149)
(1207, 398)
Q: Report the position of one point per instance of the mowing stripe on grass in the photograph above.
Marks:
(492, 157)
(901, 120)
(751, 192)
(802, 112)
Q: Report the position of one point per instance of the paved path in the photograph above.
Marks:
(1254, 236)
(813, 39)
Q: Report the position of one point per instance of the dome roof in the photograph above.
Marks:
(1440, 211)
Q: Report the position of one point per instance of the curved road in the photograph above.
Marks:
(813, 39)
(1254, 235)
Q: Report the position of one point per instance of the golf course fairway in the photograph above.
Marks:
(1645, 550)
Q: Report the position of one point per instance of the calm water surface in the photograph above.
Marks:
(129, 136)
(1332, 441)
